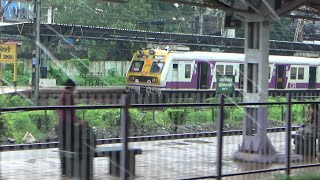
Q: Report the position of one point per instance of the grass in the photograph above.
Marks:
(302, 176)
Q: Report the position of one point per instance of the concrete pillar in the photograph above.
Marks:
(256, 146)
(255, 138)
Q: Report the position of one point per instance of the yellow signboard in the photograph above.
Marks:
(8, 54)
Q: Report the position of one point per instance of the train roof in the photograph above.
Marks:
(236, 57)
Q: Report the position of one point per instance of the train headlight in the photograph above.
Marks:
(152, 52)
(132, 78)
(154, 79)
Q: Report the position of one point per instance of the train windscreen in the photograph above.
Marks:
(156, 67)
(136, 66)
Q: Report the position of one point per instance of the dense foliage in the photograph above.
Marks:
(136, 14)
(24, 75)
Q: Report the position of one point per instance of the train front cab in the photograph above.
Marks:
(144, 74)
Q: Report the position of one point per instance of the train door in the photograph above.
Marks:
(280, 74)
(241, 71)
(175, 75)
(203, 73)
(312, 77)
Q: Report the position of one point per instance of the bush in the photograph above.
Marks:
(2, 127)
(44, 120)
(177, 116)
(154, 119)
(13, 101)
(55, 72)
(199, 116)
(4, 100)
(19, 101)
(297, 111)
(235, 113)
(114, 80)
(20, 123)
(95, 118)
(275, 112)
(81, 64)
(23, 75)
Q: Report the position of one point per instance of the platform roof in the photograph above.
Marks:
(59, 31)
(306, 9)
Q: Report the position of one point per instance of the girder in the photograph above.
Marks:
(113, 34)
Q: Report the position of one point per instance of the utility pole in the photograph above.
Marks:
(1, 20)
(36, 51)
(201, 21)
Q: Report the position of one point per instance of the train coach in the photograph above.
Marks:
(159, 70)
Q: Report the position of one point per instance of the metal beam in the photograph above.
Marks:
(112, 1)
(5, 8)
(303, 17)
(293, 5)
(214, 5)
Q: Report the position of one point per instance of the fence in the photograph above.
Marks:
(179, 154)
(103, 67)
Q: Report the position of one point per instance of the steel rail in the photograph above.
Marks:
(16, 147)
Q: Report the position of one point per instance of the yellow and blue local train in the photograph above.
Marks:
(158, 70)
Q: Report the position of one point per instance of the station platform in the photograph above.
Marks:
(10, 89)
(165, 159)
(21, 89)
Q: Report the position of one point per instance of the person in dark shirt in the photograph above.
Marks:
(66, 124)
(85, 144)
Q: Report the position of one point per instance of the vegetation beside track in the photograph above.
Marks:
(110, 78)
(41, 124)
(301, 176)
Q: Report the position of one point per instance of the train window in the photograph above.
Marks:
(136, 66)
(156, 67)
(269, 73)
(229, 70)
(219, 70)
(301, 73)
(187, 73)
(293, 73)
(175, 66)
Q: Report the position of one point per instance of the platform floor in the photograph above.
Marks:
(166, 159)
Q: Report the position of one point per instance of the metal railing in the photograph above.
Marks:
(219, 135)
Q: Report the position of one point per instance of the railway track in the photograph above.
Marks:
(47, 145)
(111, 95)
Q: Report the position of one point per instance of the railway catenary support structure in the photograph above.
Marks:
(55, 32)
(256, 146)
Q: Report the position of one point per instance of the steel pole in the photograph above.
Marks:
(37, 45)
(220, 136)
(124, 174)
(288, 133)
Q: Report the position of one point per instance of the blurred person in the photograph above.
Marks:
(306, 135)
(85, 144)
(312, 124)
(66, 129)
